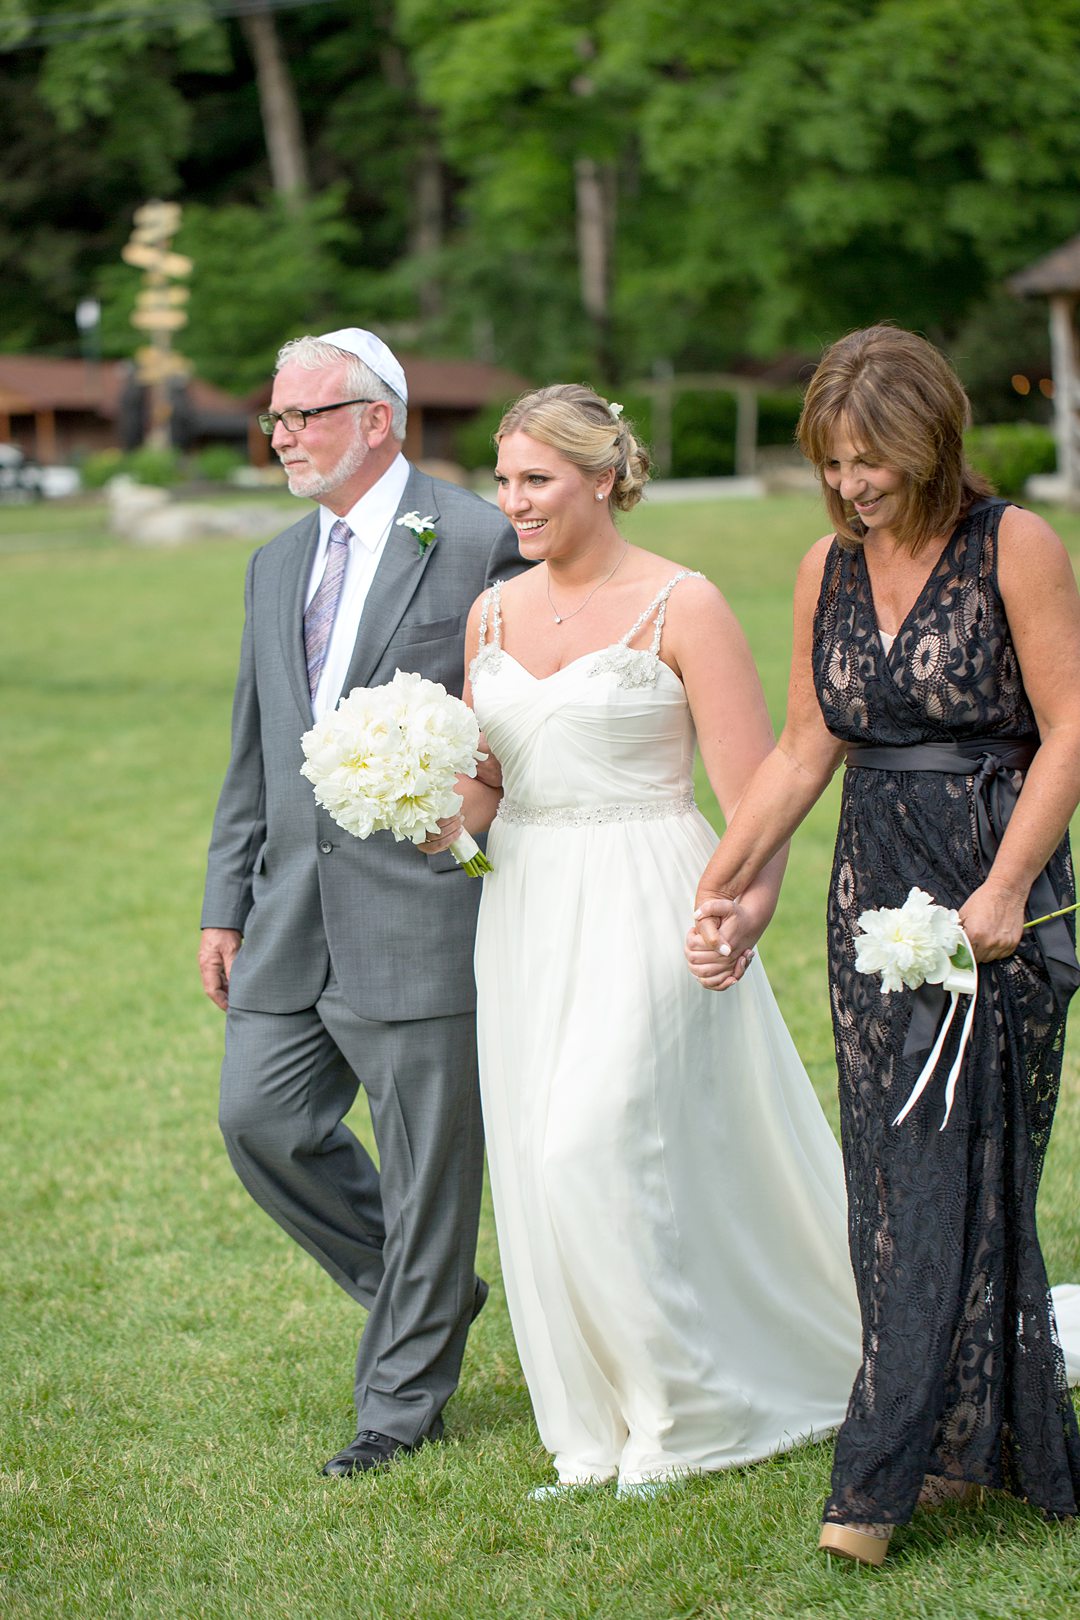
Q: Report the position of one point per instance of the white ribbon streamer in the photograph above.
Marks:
(963, 982)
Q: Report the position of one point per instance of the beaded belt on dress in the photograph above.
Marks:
(594, 815)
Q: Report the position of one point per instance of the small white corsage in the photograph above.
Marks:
(422, 527)
(916, 943)
(615, 408)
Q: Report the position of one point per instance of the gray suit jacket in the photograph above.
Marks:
(397, 926)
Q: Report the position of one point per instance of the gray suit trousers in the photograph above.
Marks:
(402, 1243)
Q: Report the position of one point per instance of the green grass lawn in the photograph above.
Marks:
(175, 1370)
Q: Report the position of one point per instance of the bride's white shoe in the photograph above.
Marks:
(565, 1487)
(644, 1490)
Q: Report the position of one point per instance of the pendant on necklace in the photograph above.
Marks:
(558, 618)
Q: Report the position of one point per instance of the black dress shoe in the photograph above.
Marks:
(371, 1449)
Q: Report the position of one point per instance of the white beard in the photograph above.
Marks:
(305, 481)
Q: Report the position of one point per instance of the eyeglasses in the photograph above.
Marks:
(295, 420)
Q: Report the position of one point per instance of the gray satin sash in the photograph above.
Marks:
(988, 761)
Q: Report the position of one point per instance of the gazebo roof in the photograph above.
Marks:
(451, 385)
(31, 382)
(459, 384)
(1056, 272)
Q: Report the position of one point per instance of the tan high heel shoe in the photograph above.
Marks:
(863, 1543)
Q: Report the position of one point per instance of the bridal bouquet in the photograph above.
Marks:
(387, 758)
(921, 943)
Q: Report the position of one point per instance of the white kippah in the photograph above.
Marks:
(373, 351)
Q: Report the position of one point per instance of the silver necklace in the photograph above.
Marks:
(561, 618)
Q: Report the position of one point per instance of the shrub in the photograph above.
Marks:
(149, 465)
(473, 447)
(1009, 453)
(216, 463)
(96, 470)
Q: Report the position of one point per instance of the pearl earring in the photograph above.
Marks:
(599, 495)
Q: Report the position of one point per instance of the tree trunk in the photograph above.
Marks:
(429, 207)
(595, 189)
(279, 107)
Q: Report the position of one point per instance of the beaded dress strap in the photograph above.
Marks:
(493, 601)
(658, 605)
(489, 654)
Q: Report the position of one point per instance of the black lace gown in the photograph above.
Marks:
(962, 1373)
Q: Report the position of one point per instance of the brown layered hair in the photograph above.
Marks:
(903, 406)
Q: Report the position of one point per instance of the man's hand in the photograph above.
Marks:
(217, 952)
(450, 827)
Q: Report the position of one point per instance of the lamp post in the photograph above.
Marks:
(88, 321)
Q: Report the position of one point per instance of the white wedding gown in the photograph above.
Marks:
(668, 1194)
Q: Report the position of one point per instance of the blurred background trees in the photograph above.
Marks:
(596, 190)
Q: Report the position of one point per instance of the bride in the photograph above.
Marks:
(668, 1194)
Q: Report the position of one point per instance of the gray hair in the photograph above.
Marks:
(312, 354)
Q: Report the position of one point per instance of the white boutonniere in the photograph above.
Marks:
(422, 527)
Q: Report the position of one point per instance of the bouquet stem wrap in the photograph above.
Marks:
(469, 856)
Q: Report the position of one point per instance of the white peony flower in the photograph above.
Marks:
(909, 945)
(387, 758)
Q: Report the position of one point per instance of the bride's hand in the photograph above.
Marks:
(488, 770)
(719, 953)
(450, 827)
(711, 971)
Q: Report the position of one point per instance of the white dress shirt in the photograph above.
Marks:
(370, 521)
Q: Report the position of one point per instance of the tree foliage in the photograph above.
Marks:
(773, 172)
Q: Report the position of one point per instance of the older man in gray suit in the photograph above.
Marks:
(343, 962)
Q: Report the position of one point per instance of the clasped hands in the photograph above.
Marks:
(719, 947)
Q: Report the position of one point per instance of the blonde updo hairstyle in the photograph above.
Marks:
(576, 422)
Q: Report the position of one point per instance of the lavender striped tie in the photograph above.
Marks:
(319, 618)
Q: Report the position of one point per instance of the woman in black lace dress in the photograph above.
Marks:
(937, 651)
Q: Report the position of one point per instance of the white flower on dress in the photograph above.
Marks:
(387, 758)
(917, 943)
(631, 666)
